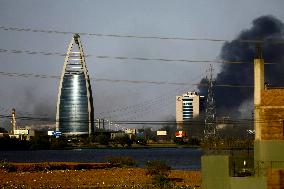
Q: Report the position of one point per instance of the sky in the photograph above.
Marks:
(218, 19)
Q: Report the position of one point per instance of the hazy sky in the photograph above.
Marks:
(220, 19)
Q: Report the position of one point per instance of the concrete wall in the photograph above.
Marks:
(269, 150)
(268, 154)
(215, 175)
(195, 104)
(248, 182)
(258, 88)
(215, 172)
(179, 115)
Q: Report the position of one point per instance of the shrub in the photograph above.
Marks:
(157, 167)
(7, 166)
(141, 140)
(122, 161)
(194, 141)
(159, 171)
(45, 166)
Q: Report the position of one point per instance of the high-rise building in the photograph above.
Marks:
(75, 111)
(187, 107)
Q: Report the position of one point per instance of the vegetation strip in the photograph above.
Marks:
(47, 166)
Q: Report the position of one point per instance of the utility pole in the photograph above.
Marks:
(13, 121)
(210, 112)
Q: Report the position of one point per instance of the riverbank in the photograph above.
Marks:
(177, 158)
(95, 178)
(133, 146)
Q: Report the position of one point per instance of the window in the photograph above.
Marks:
(189, 99)
(187, 104)
(187, 113)
(187, 109)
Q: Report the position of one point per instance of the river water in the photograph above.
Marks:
(177, 158)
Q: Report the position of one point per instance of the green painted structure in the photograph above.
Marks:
(216, 175)
(269, 150)
(215, 172)
(266, 168)
(229, 172)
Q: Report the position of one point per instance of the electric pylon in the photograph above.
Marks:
(210, 112)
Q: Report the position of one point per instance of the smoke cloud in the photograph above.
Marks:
(263, 28)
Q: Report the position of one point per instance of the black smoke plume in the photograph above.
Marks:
(267, 28)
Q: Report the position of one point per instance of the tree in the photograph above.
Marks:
(59, 143)
(40, 143)
(123, 140)
(148, 134)
(2, 130)
(7, 143)
(171, 129)
(102, 139)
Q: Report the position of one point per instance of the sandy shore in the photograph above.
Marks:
(94, 178)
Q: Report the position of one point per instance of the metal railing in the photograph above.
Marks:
(246, 166)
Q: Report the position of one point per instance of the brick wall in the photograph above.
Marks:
(275, 179)
(272, 114)
(272, 97)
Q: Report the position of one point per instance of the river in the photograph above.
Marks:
(177, 158)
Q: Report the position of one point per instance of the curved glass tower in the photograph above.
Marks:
(75, 111)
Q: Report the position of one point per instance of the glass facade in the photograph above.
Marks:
(75, 102)
(73, 110)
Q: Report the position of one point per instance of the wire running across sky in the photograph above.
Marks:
(17, 29)
(31, 52)
(45, 76)
(154, 122)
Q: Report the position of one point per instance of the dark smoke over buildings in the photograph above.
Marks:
(263, 28)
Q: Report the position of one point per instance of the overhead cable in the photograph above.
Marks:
(31, 52)
(17, 29)
(44, 76)
(233, 121)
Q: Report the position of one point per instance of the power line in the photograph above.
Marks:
(17, 29)
(132, 109)
(121, 111)
(45, 76)
(147, 109)
(31, 52)
(150, 102)
(235, 121)
(152, 110)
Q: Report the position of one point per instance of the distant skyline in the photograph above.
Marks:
(220, 19)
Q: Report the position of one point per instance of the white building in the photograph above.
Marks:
(187, 107)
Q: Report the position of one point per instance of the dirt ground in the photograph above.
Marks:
(94, 178)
